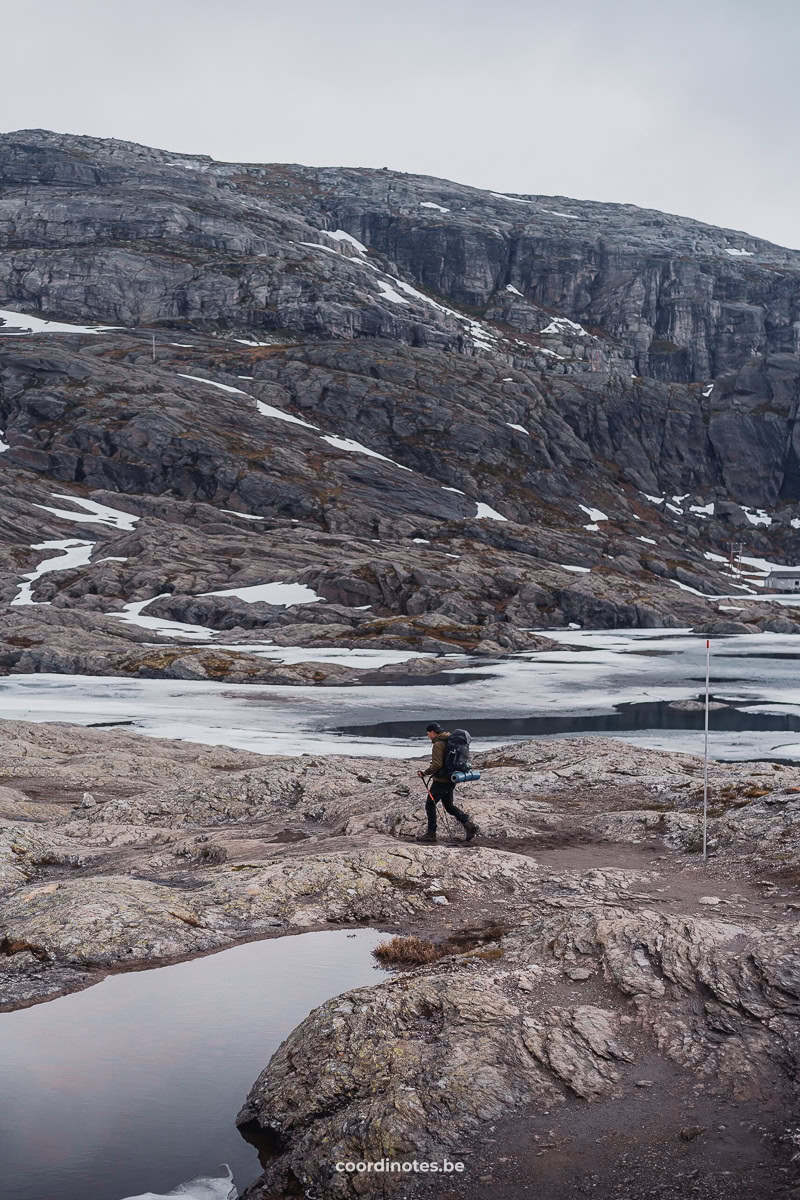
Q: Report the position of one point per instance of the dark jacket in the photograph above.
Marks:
(438, 751)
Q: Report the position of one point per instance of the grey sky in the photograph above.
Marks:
(691, 107)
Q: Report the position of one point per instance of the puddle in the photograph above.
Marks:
(133, 1085)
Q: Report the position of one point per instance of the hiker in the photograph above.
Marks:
(442, 787)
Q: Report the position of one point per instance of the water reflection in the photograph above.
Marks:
(133, 1085)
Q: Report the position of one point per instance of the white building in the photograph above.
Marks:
(784, 579)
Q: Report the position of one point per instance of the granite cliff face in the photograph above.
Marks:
(483, 411)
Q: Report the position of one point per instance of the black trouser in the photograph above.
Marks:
(442, 790)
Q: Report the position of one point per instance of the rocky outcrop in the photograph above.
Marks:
(481, 1036)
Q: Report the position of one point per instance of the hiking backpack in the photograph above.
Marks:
(456, 757)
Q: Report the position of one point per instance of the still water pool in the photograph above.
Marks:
(134, 1084)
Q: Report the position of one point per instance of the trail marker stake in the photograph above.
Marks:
(705, 765)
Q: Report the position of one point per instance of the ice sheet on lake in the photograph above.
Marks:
(94, 514)
(369, 659)
(271, 593)
(74, 554)
(203, 1187)
(594, 674)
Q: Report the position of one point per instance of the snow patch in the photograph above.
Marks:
(356, 448)
(339, 235)
(707, 391)
(759, 517)
(223, 387)
(594, 514)
(652, 541)
(564, 325)
(319, 246)
(653, 499)
(554, 213)
(3, 445)
(272, 593)
(737, 253)
(484, 512)
(267, 410)
(430, 204)
(451, 489)
(245, 516)
(703, 510)
(592, 528)
(132, 615)
(520, 428)
(388, 292)
(74, 554)
(577, 570)
(15, 324)
(513, 199)
(95, 514)
(510, 288)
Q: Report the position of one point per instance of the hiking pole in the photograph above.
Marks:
(433, 802)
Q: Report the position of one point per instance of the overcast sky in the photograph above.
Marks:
(691, 107)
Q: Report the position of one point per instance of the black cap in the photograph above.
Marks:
(433, 727)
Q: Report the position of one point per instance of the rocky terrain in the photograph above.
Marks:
(251, 408)
(445, 416)
(593, 962)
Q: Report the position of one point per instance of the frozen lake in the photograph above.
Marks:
(618, 683)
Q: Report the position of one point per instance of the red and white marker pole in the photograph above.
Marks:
(705, 768)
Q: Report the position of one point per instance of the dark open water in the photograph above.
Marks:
(133, 1085)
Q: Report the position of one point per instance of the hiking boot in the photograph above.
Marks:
(428, 836)
(470, 829)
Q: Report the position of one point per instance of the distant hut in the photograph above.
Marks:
(784, 579)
